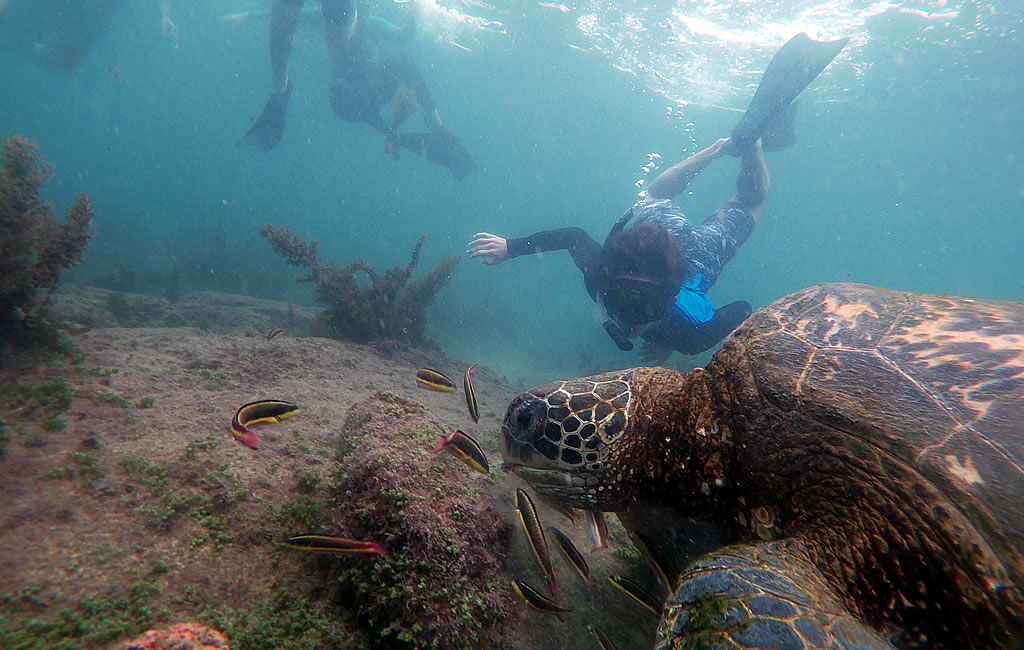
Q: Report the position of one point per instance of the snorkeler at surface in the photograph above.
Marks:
(651, 278)
(60, 34)
(364, 83)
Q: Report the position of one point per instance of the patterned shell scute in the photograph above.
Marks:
(584, 418)
(937, 381)
(970, 356)
(840, 315)
(598, 406)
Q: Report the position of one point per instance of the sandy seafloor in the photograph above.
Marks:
(80, 520)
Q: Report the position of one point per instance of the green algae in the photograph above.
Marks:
(91, 623)
(285, 621)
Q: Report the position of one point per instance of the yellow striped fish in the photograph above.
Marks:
(637, 593)
(331, 544)
(535, 600)
(434, 380)
(597, 530)
(535, 534)
(602, 638)
(471, 403)
(465, 449)
(267, 410)
(572, 556)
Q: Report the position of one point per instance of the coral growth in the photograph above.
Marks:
(36, 247)
(389, 307)
(440, 584)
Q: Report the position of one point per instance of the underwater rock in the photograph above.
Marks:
(441, 583)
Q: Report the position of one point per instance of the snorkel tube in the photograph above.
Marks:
(609, 324)
(620, 339)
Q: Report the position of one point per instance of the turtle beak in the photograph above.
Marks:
(539, 478)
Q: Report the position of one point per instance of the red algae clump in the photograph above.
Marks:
(180, 636)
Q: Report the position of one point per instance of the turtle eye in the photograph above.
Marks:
(530, 417)
(524, 419)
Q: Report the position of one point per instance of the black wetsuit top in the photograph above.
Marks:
(673, 331)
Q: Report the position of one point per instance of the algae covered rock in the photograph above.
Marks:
(440, 584)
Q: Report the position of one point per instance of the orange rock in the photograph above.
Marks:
(180, 636)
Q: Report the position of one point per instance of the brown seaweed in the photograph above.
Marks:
(36, 246)
(390, 307)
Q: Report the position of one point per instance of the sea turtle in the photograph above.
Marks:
(852, 457)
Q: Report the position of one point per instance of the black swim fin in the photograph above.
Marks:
(792, 68)
(269, 127)
(442, 147)
(781, 131)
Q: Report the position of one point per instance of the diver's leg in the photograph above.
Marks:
(268, 128)
(340, 18)
(674, 180)
(284, 14)
(752, 182)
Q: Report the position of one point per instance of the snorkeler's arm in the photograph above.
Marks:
(694, 338)
(674, 180)
(585, 251)
(577, 241)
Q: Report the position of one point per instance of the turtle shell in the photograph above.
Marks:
(936, 381)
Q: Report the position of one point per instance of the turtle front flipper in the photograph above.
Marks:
(767, 595)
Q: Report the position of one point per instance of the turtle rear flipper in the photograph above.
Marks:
(760, 596)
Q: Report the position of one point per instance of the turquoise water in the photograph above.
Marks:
(908, 172)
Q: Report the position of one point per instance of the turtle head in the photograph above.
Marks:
(564, 439)
(614, 441)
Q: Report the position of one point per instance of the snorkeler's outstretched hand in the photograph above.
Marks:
(492, 248)
(654, 354)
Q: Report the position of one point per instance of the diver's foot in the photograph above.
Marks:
(432, 119)
(731, 148)
(266, 132)
(736, 148)
(393, 144)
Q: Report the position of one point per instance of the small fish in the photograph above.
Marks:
(471, 403)
(641, 544)
(465, 449)
(536, 601)
(274, 333)
(602, 638)
(572, 556)
(434, 380)
(535, 534)
(267, 410)
(331, 544)
(597, 530)
(637, 593)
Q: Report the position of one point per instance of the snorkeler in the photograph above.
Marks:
(364, 84)
(651, 278)
(60, 34)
